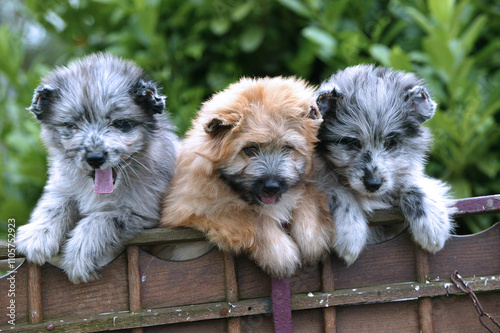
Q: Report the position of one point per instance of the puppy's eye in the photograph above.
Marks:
(351, 143)
(287, 149)
(69, 126)
(251, 151)
(124, 125)
(391, 142)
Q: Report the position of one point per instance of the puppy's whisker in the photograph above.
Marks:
(124, 173)
(141, 164)
(129, 167)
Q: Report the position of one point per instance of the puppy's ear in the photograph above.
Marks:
(327, 100)
(218, 126)
(145, 94)
(314, 113)
(42, 99)
(422, 106)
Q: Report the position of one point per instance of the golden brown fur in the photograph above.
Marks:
(273, 114)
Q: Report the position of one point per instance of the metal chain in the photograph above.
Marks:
(466, 288)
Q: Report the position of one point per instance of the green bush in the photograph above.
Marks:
(23, 166)
(194, 48)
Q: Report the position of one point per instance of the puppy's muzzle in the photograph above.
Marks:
(95, 160)
(270, 190)
(104, 179)
(372, 184)
(271, 187)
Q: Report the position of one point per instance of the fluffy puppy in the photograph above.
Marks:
(371, 156)
(244, 170)
(111, 157)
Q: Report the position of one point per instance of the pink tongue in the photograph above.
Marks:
(103, 183)
(268, 200)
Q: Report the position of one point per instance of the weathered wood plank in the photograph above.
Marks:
(14, 296)
(4, 251)
(392, 261)
(253, 282)
(378, 318)
(424, 303)
(61, 298)
(230, 275)
(488, 204)
(134, 279)
(166, 236)
(167, 283)
(457, 313)
(35, 293)
(328, 284)
(232, 293)
(390, 292)
(476, 254)
(208, 311)
(307, 321)
(210, 326)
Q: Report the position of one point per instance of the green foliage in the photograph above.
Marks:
(466, 149)
(22, 170)
(194, 48)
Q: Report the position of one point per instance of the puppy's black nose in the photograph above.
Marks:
(271, 187)
(372, 184)
(95, 160)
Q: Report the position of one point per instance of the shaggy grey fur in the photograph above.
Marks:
(99, 112)
(371, 155)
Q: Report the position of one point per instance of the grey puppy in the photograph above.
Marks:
(111, 157)
(371, 155)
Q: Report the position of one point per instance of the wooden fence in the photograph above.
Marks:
(393, 287)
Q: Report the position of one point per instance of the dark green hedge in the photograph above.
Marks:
(195, 48)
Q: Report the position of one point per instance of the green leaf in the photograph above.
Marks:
(109, 2)
(242, 11)
(322, 38)
(195, 49)
(381, 53)
(399, 59)
(219, 26)
(461, 188)
(424, 23)
(490, 166)
(298, 7)
(472, 32)
(315, 4)
(440, 56)
(473, 226)
(11, 50)
(442, 10)
(251, 39)
(332, 13)
(55, 20)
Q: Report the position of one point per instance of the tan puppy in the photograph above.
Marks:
(244, 170)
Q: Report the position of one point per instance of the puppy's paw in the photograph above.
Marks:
(81, 258)
(348, 251)
(432, 232)
(429, 218)
(78, 272)
(351, 234)
(314, 244)
(37, 243)
(279, 258)
(79, 268)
